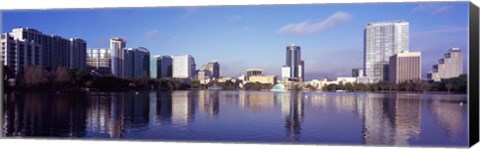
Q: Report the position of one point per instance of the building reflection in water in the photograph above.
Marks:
(448, 113)
(40, 114)
(208, 103)
(112, 113)
(257, 101)
(182, 107)
(292, 111)
(391, 120)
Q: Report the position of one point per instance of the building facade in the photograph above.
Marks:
(183, 67)
(357, 72)
(295, 63)
(42, 50)
(405, 67)
(265, 79)
(383, 40)
(99, 60)
(137, 62)
(78, 54)
(17, 54)
(117, 45)
(450, 66)
(162, 67)
(253, 72)
(214, 68)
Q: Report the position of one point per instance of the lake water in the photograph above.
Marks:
(241, 116)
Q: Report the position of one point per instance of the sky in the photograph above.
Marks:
(242, 37)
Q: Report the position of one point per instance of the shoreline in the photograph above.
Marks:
(87, 90)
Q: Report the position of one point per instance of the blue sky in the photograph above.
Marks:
(241, 37)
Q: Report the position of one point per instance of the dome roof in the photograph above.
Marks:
(278, 87)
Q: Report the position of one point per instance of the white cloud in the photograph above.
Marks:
(434, 9)
(307, 27)
(152, 33)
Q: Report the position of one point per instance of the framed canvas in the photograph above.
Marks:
(401, 74)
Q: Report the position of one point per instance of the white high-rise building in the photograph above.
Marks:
(99, 60)
(383, 40)
(17, 54)
(450, 66)
(183, 66)
(117, 45)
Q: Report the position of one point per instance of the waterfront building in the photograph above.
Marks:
(46, 50)
(204, 76)
(78, 49)
(17, 54)
(285, 73)
(383, 40)
(183, 66)
(450, 66)
(99, 60)
(357, 72)
(405, 66)
(294, 63)
(161, 67)
(318, 83)
(253, 72)
(213, 67)
(117, 45)
(265, 79)
(345, 80)
(139, 62)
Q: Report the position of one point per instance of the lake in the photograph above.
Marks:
(241, 116)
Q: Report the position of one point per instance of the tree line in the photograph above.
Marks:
(457, 85)
(61, 78)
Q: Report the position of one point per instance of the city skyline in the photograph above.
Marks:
(240, 37)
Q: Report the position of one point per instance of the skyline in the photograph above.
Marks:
(236, 36)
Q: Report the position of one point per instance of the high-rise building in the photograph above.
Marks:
(78, 54)
(161, 67)
(141, 62)
(136, 62)
(213, 67)
(450, 66)
(17, 54)
(183, 66)
(47, 50)
(285, 72)
(295, 63)
(117, 45)
(405, 66)
(253, 72)
(383, 40)
(99, 60)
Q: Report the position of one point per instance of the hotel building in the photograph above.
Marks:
(450, 66)
(183, 66)
(99, 60)
(405, 66)
(383, 40)
(27, 46)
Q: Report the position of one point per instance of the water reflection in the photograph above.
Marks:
(382, 119)
(292, 111)
(36, 114)
(391, 121)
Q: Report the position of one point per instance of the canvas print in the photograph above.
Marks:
(375, 74)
